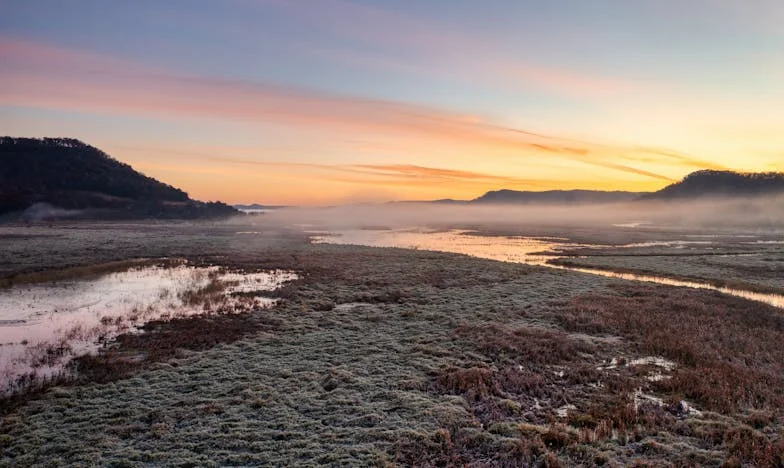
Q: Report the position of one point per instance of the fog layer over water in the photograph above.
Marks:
(543, 230)
(510, 249)
(765, 213)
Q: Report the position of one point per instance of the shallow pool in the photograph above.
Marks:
(43, 326)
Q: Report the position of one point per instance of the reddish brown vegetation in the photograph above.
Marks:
(533, 346)
(473, 447)
(84, 271)
(506, 392)
(729, 360)
(729, 353)
(729, 349)
(164, 340)
(719, 283)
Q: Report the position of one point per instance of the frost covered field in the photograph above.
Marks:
(45, 325)
(404, 356)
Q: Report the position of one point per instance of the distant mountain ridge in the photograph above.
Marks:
(556, 196)
(699, 184)
(64, 177)
(712, 183)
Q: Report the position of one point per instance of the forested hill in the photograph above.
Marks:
(700, 184)
(66, 177)
(710, 183)
(555, 197)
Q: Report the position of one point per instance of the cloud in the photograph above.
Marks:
(51, 77)
(633, 170)
(380, 172)
(411, 170)
(682, 158)
(377, 174)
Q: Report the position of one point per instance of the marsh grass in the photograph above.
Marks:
(728, 362)
(535, 346)
(142, 334)
(763, 281)
(164, 340)
(129, 353)
(84, 271)
(728, 350)
(391, 357)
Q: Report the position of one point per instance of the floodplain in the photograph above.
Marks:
(382, 351)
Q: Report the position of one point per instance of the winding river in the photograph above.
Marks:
(517, 249)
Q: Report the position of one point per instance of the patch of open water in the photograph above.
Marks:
(43, 326)
(515, 249)
(776, 300)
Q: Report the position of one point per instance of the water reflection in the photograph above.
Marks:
(537, 251)
(508, 249)
(42, 326)
(775, 300)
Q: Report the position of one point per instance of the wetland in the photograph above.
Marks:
(404, 345)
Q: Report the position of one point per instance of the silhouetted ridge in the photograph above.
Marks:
(555, 196)
(722, 183)
(76, 179)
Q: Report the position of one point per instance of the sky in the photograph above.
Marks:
(313, 102)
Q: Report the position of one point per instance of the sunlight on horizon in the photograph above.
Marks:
(329, 102)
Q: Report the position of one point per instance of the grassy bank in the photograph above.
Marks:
(759, 272)
(655, 270)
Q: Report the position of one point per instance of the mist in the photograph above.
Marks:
(758, 213)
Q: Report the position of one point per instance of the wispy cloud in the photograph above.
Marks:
(40, 75)
(374, 174)
(378, 172)
(630, 169)
(414, 171)
(680, 158)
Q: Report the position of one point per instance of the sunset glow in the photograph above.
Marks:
(328, 101)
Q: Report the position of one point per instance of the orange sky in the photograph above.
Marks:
(379, 101)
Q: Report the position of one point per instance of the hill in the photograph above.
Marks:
(710, 183)
(704, 183)
(64, 177)
(555, 196)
